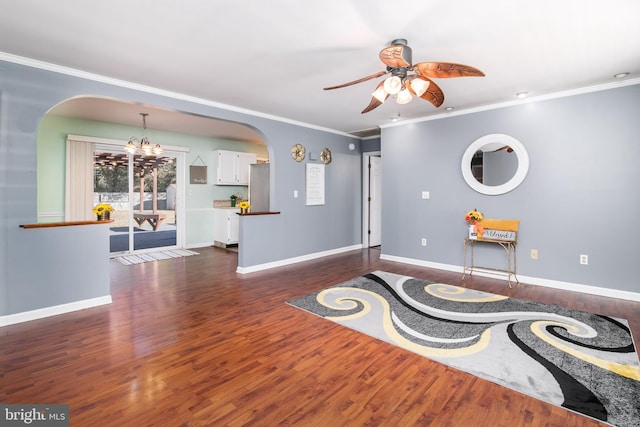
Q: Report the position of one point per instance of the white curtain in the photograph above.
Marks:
(79, 181)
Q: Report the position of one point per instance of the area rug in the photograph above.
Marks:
(584, 362)
(154, 256)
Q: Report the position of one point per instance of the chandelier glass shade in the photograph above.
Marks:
(143, 145)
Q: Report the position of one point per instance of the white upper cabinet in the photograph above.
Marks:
(232, 168)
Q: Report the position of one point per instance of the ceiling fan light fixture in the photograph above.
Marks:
(380, 94)
(393, 85)
(403, 75)
(404, 97)
(419, 86)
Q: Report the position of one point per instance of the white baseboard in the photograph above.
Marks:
(40, 313)
(198, 245)
(283, 262)
(555, 284)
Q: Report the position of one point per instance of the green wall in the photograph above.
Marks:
(51, 143)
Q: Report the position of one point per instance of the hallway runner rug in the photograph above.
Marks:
(584, 362)
(154, 256)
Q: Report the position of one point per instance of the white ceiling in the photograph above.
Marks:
(274, 57)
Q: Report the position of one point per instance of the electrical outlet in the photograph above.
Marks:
(584, 259)
(425, 195)
(424, 242)
(534, 254)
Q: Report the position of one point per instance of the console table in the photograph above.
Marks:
(506, 236)
(510, 249)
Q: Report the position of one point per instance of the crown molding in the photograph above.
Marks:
(33, 63)
(528, 100)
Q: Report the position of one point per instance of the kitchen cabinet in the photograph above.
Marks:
(232, 167)
(226, 226)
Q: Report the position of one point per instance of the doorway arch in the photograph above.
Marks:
(117, 119)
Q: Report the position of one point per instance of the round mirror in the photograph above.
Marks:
(495, 164)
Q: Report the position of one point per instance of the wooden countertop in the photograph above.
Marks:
(65, 224)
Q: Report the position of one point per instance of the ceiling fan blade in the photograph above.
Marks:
(506, 147)
(364, 79)
(433, 93)
(396, 56)
(375, 102)
(445, 70)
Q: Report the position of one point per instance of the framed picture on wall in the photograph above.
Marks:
(315, 184)
(198, 173)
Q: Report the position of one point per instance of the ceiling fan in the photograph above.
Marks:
(408, 78)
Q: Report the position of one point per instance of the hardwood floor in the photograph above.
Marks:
(190, 342)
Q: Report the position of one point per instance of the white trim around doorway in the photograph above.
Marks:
(365, 195)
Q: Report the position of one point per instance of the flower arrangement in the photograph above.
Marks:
(102, 208)
(244, 205)
(474, 218)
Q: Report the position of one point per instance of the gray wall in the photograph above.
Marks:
(371, 144)
(580, 197)
(58, 274)
(27, 93)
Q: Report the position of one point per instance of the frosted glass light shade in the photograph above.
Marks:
(404, 97)
(419, 86)
(393, 85)
(380, 94)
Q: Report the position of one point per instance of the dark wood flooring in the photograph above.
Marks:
(191, 342)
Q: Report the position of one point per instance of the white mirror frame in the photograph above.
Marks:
(501, 139)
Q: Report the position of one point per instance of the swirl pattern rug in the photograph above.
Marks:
(581, 361)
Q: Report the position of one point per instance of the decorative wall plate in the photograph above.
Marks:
(297, 152)
(325, 156)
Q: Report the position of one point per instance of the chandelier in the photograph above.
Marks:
(144, 145)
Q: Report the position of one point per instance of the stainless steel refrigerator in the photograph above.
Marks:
(259, 187)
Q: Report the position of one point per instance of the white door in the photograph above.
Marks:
(375, 201)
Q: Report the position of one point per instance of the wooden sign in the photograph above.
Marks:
(197, 174)
(509, 236)
(504, 230)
